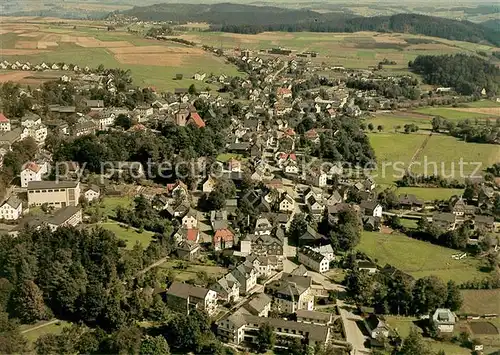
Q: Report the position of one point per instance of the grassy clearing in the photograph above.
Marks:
(109, 204)
(130, 235)
(429, 194)
(33, 335)
(419, 258)
(450, 114)
(483, 103)
(391, 148)
(192, 269)
(403, 326)
(391, 121)
(409, 223)
(225, 157)
(447, 151)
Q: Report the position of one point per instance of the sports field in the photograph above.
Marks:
(419, 258)
(153, 63)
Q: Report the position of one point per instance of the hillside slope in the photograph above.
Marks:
(237, 18)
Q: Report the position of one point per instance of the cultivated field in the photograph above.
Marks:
(480, 302)
(430, 194)
(153, 63)
(391, 121)
(353, 50)
(419, 258)
(459, 113)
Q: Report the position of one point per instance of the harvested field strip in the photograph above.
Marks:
(480, 302)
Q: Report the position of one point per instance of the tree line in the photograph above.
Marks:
(488, 132)
(465, 73)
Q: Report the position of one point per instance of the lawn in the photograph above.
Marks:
(109, 204)
(419, 258)
(225, 157)
(130, 235)
(192, 269)
(428, 193)
(447, 152)
(393, 152)
(409, 223)
(403, 325)
(390, 121)
(483, 103)
(451, 114)
(33, 335)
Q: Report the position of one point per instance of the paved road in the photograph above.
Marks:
(353, 333)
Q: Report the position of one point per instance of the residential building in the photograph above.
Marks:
(239, 327)
(4, 123)
(92, 193)
(313, 317)
(223, 239)
(259, 305)
(69, 216)
(190, 220)
(55, 194)
(227, 288)
(184, 298)
(188, 250)
(371, 208)
(264, 245)
(484, 223)
(325, 250)
(311, 237)
(246, 276)
(34, 127)
(291, 293)
(317, 178)
(313, 260)
(368, 266)
(209, 184)
(444, 220)
(11, 137)
(11, 209)
(444, 319)
(286, 203)
(30, 172)
(410, 202)
(376, 326)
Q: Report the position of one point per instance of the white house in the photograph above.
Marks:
(92, 193)
(286, 204)
(34, 128)
(326, 251)
(444, 319)
(190, 220)
(313, 260)
(31, 172)
(4, 123)
(11, 209)
(371, 208)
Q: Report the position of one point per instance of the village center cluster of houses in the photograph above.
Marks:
(261, 282)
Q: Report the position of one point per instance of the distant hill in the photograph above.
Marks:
(491, 24)
(238, 18)
(225, 14)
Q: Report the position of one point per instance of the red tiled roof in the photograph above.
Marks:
(197, 119)
(293, 156)
(289, 132)
(311, 133)
(33, 167)
(284, 91)
(3, 119)
(192, 234)
(223, 234)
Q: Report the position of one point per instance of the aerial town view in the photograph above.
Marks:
(249, 177)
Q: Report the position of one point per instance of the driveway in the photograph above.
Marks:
(353, 333)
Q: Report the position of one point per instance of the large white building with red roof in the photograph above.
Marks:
(4, 123)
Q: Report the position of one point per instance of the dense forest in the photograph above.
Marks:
(468, 75)
(255, 19)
